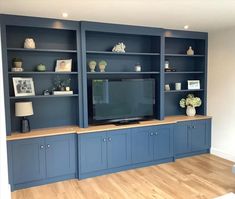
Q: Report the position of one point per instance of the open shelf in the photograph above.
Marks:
(183, 55)
(126, 53)
(184, 72)
(43, 96)
(183, 90)
(42, 50)
(122, 73)
(43, 73)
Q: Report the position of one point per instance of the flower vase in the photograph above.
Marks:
(190, 111)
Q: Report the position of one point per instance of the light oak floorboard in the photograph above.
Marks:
(199, 177)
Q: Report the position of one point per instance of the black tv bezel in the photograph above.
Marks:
(125, 120)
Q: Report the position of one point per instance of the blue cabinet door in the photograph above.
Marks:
(60, 155)
(163, 141)
(118, 148)
(141, 145)
(28, 160)
(181, 138)
(199, 135)
(92, 152)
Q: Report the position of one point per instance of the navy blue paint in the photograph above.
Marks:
(118, 148)
(192, 136)
(42, 160)
(141, 144)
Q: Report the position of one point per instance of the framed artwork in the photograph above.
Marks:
(63, 65)
(193, 84)
(23, 86)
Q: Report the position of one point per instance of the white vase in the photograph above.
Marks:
(190, 51)
(190, 111)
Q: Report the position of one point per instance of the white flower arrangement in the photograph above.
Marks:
(190, 101)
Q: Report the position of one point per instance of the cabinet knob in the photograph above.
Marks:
(151, 134)
(41, 147)
(48, 146)
(110, 139)
(156, 133)
(104, 140)
(194, 127)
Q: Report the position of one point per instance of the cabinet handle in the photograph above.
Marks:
(41, 147)
(110, 139)
(48, 146)
(194, 127)
(151, 134)
(104, 140)
(156, 133)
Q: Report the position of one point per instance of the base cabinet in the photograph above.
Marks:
(33, 161)
(192, 136)
(152, 143)
(104, 150)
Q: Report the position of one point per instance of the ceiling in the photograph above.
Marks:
(200, 15)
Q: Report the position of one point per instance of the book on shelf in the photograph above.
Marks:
(62, 92)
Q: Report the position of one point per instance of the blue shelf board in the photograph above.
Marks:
(122, 73)
(43, 73)
(42, 50)
(183, 55)
(184, 90)
(43, 96)
(184, 72)
(126, 53)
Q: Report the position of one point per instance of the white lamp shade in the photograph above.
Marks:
(23, 109)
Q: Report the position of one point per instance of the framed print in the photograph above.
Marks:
(23, 86)
(193, 84)
(63, 65)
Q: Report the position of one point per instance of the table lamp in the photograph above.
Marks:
(23, 109)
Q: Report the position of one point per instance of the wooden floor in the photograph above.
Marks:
(202, 177)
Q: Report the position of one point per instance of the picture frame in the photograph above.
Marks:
(23, 86)
(63, 65)
(193, 84)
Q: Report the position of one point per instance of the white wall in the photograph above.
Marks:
(221, 92)
(4, 187)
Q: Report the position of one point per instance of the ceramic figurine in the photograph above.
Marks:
(29, 43)
(190, 51)
(119, 48)
(137, 68)
(41, 68)
(102, 65)
(92, 65)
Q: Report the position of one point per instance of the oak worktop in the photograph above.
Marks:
(96, 128)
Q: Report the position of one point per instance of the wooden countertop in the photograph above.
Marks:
(98, 128)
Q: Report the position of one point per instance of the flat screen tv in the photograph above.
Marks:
(122, 100)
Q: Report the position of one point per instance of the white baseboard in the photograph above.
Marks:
(223, 154)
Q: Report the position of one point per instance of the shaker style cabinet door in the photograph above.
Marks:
(28, 160)
(93, 152)
(118, 148)
(142, 145)
(199, 138)
(181, 138)
(60, 155)
(163, 142)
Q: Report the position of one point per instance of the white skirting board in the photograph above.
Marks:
(223, 154)
(227, 196)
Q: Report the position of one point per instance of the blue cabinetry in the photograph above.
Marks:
(28, 160)
(104, 150)
(192, 137)
(40, 160)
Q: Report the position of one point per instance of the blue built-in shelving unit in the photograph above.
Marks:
(84, 41)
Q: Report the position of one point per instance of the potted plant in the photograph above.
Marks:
(17, 62)
(190, 102)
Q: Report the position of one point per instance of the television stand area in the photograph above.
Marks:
(126, 122)
(63, 144)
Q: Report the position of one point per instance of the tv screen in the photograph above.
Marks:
(116, 100)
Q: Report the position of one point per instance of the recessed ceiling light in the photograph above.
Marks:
(65, 14)
(186, 27)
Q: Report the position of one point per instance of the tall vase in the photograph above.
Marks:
(190, 111)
